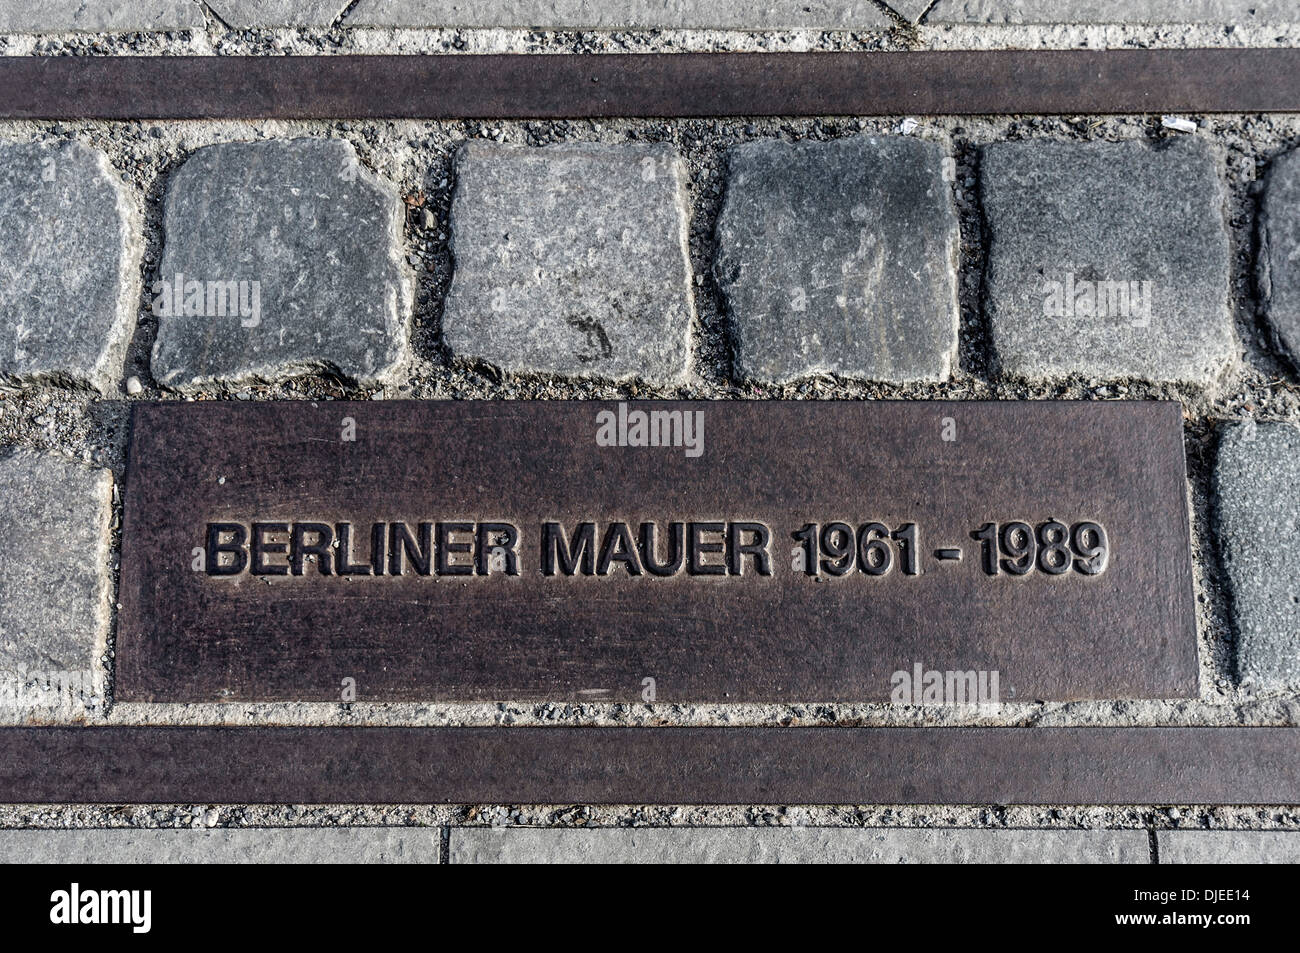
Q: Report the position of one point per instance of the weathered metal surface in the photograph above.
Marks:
(555, 765)
(406, 550)
(663, 85)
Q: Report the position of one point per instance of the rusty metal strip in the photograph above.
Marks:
(559, 765)
(519, 86)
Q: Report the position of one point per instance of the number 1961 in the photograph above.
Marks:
(867, 548)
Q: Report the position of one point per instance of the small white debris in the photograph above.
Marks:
(1178, 124)
(133, 386)
(908, 126)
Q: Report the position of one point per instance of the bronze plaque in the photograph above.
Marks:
(736, 551)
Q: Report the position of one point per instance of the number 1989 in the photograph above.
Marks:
(1051, 547)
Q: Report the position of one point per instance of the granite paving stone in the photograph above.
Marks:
(1229, 847)
(840, 257)
(571, 259)
(1279, 252)
(242, 14)
(622, 14)
(1257, 483)
(1108, 260)
(1108, 11)
(246, 845)
(734, 845)
(70, 16)
(54, 581)
(280, 257)
(69, 258)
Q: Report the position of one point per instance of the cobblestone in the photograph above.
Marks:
(65, 16)
(1108, 260)
(1233, 12)
(1229, 847)
(571, 260)
(279, 257)
(1258, 484)
(1279, 252)
(840, 257)
(273, 845)
(54, 612)
(722, 845)
(69, 259)
(622, 14)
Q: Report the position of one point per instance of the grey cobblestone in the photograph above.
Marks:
(1279, 252)
(1258, 485)
(840, 257)
(1108, 260)
(1229, 847)
(910, 10)
(622, 14)
(1108, 11)
(731, 845)
(268, 845)
(63, 16)
(69, 258)
(54, 613)
(306, 239)
(571, 259)
(242, 14)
